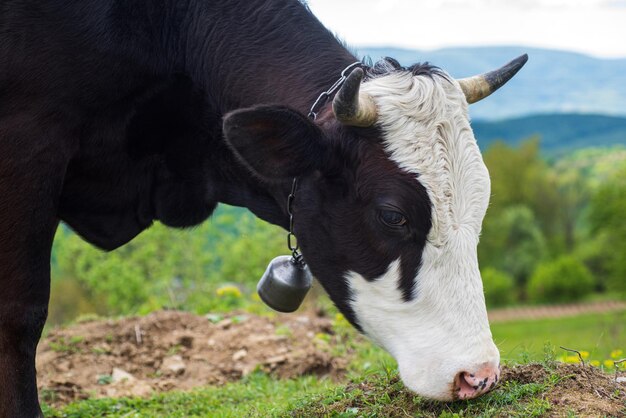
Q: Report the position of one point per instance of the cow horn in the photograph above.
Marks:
(480, 86)
(352, 108)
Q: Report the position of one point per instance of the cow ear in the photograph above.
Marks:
(275, 142)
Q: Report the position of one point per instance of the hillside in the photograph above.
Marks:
(559, 133)
(551, 81)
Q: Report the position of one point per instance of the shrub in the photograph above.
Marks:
(499, 287)
(563, 280)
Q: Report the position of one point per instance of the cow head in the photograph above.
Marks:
(392, 194)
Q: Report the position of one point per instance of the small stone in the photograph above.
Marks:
(120, 375)
(225, 324)
(240, 354)
(141, 389)
(275, 359)
(621, 379)
(173, 364)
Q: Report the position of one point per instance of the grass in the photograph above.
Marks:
(383, 395)
(247, 398)
(375, 389)
(599, 334)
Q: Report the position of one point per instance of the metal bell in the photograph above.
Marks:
(285, 283)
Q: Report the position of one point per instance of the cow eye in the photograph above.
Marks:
(392, 218)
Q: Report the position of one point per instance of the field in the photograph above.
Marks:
(261, 362)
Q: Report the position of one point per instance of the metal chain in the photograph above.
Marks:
(323, 98)
(297, 257)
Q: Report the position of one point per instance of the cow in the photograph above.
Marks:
(115, 114)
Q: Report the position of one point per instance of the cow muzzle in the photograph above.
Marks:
(468, 385)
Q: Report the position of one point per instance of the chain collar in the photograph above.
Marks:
(297, 257)
(322, 99)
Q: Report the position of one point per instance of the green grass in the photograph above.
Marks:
(599, 334)
(376, 390)
(383, 395)
(378, 395)
(256, 395)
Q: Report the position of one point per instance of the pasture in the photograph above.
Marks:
(346, 375)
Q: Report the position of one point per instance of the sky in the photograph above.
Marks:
(593, 27)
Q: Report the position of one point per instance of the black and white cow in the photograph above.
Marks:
(114, 114)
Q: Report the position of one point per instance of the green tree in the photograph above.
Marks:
(512, 242)
(608, 228)
(519, 176)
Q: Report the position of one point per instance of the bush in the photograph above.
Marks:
(563, 280)
(499, 287)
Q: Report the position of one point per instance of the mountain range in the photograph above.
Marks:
(558, 133)
(551, 82)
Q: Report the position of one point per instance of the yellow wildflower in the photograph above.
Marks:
(571, 359)
(584, 355)
(595, 363)
(341, 320)
(616, 354)
(228, 290)
(608, 364)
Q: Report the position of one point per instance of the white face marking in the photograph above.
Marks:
(444, 330)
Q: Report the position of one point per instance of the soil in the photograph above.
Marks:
(171, 350)
(584, 390)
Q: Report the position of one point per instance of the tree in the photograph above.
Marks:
(519, 176)
(513, 243)
(607, 214)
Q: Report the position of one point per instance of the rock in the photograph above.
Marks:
(225, 324)
(238, 355)
(173, 364)
(141, 389)
(275, 359)
(120, 375)
(621, 379)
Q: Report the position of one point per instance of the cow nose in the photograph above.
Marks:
(470, 385)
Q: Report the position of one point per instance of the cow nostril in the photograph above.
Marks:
(471, 385)
(464, 387)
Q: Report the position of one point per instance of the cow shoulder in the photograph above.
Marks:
(147, 159)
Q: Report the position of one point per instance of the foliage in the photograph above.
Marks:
(171, 268)
(512, 242)
(499, 287)
(563, 280)
(606, 219)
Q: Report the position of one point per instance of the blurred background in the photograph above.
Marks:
(554, 140)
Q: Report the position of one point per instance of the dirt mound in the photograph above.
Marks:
(177, 350)
(581, 390)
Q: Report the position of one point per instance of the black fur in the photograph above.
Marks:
(111, 117)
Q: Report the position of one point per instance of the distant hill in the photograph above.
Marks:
(551, 81)
(559, 133)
